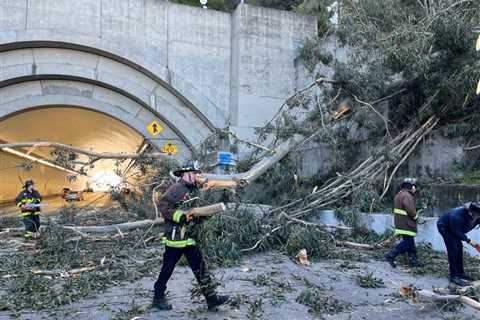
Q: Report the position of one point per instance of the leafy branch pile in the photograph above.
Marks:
(62, 268)
(319, 303)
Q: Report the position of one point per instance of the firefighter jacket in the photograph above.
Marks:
(459, 222)
(405, 213)
(25, 197)
(176, 234)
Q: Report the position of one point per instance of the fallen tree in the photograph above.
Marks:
(368, 171)
(222, 180)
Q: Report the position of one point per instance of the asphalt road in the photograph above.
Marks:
(97, 199)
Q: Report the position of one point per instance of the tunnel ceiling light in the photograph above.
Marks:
(29, 157)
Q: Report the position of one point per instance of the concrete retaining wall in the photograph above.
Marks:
(380, 223)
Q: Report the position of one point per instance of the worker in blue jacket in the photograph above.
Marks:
(453, 226)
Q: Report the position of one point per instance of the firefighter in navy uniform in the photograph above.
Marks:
(178, 242)
(28, 201)
(453, 227)
(405, 221)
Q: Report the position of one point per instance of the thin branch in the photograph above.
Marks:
(471, 148)
(253, 144)
(376, 112)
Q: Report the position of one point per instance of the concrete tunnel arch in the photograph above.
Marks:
(53, 73)
(43, 74)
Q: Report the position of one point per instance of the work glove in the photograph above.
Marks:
(186, 217)
(474, 244)
(189, 216)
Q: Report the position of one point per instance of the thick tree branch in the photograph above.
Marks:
(90, 153)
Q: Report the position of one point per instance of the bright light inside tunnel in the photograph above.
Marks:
(104, 181)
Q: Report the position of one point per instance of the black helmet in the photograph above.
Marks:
(191, 166)
(28, 183)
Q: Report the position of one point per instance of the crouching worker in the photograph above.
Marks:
(405, 221)
(178, 242)
(453, 227)
(28, 200)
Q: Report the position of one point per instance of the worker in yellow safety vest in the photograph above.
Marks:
(405, 221)
(179, 242)
(28, 200)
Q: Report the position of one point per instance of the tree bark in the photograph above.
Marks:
(433, 297)
(209, 211)
(258, 169)
(215, 180)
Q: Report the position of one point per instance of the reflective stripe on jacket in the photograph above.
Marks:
(28, 197)
(405, 214)
(175, 220)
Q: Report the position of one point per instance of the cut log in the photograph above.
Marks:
(119, 228)
(114, 227)
(363, 246)
(208, 211)
(422, 295)
(354, 245)
(61, 273)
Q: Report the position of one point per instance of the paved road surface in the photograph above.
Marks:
(98, 199)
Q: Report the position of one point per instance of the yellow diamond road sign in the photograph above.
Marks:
(169, 148)
(154, 128)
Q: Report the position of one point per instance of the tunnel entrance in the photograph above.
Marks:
(57, 90)
(75, 126)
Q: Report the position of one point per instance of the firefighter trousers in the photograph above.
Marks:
(454, 251)
(196, 263)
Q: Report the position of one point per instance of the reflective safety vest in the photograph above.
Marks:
(405, 216)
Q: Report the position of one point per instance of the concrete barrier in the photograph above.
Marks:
(382, 222)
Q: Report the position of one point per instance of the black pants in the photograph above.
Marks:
(454, 251)
(31, 223)
(407, 245)
(196, 263)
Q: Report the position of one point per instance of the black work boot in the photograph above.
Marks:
(161, 303)
(390, 257)
(413, 261)
(466, 277)
(459, 281)
(214, 301)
